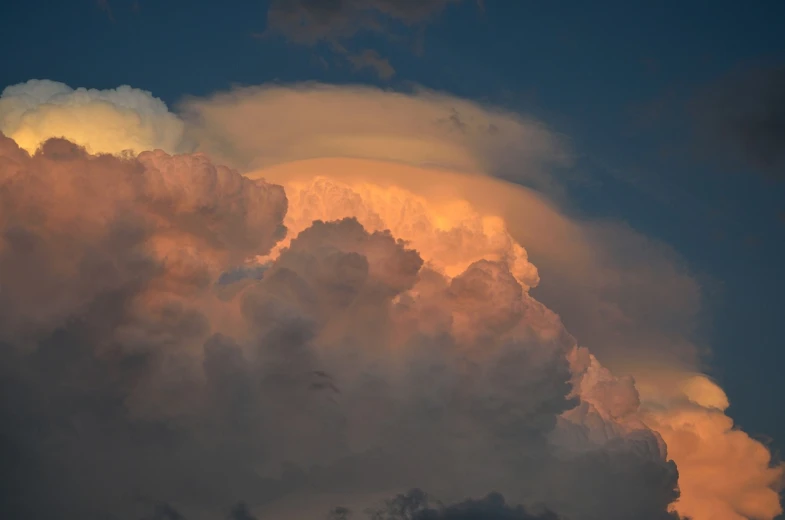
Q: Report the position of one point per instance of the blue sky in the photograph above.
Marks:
(640, 89)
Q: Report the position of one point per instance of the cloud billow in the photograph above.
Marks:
(348, 329)
(105, 121)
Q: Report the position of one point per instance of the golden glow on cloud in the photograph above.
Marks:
(256, 127)
(103, 121)
(723, 473)
(449, 235)
(423, 166)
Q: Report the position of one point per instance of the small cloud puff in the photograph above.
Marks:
(103, 121)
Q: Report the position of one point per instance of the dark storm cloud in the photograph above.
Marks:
(741, 121)
(335, 22)
(311, 21)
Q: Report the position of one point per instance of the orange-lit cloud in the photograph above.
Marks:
(257, 127)
(625, 295)
(685, 409)
(723, 472)
(472, 313)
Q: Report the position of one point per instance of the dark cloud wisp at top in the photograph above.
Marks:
(311, 21)
(741, 119)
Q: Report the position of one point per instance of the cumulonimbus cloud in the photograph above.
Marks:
(323, 375)
(341, 361)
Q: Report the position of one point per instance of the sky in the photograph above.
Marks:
(656, 130)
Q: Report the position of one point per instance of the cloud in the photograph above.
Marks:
(370, 59)
(122, 352)
(398, 336)
(311, 21)
(598, 290)
(742, 118)
(105, 262)
(261, 126)
(416, 505)
(165, 512)
(62, 203)
(241, 512)
(105, 121)
(337, 22)
(449, 235)
(628, 297)
(725, 472)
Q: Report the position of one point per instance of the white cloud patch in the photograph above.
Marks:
(104, 121)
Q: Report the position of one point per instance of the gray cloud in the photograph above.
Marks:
(742, 120)
(336, 22)
(241, 512)
(311, 21)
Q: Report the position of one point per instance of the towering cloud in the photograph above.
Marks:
(122, 353)
(173, 338)
(628, 297)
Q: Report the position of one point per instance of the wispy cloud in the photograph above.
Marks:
(370, 59)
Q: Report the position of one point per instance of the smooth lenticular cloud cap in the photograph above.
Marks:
(256, 127)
